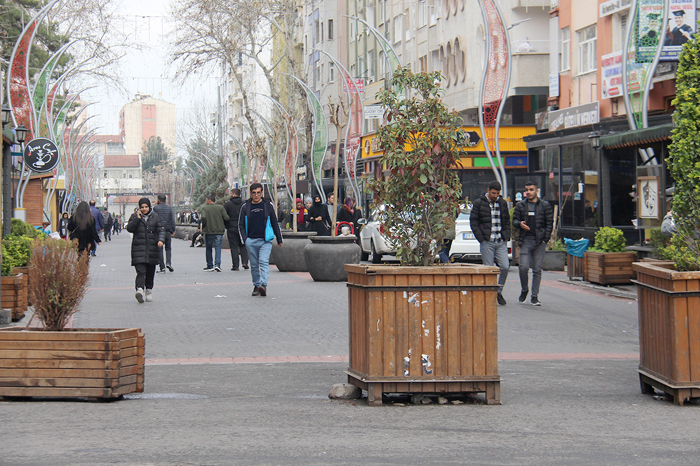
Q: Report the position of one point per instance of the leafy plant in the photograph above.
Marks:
(684, 160)
(22, 228)
(420, 141)
(16, 251)
(59, 281)
(609, 239)
(556, 245)
(658, 242)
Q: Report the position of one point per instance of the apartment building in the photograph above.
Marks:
(147, 116)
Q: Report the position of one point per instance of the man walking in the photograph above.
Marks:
(257, 225)
(534, 217)
(99, 225)
(213, 227)
(107, 223)
(490, 223)
(167, 218)
(233, 209)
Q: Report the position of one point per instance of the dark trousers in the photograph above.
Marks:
(108, 233)
(144, 275)
(531, 257)
(168, 251)
(234, 241)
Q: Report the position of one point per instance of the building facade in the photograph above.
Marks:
(144, 117)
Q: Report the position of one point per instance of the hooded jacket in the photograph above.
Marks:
(147, 233)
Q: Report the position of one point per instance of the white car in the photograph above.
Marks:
(372, 241)
(465, 247)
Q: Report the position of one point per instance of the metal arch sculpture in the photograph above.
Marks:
(640, 56)
(262, 166)
(353, 133)
(495, 83)
(391, 56)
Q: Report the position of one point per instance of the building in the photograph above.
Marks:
(121, 174)
(144, 117)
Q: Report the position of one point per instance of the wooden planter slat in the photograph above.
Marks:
(70, 364)
(609, 268)
(423, 330)
(669, 329)
(14, 294)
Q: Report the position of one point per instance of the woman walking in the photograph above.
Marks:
(318, 218)
(63, 226)
(348, 213)
(146, 245)
(82, 228)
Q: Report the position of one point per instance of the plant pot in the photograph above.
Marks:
(290, 256)
(14, 295)
(423, 330)
(99, 363)
(27, 280)
(669, 329)
(609, 268)
(326, 257)
(554, 260)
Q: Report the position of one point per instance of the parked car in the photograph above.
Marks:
(465, 247)
(372, 240)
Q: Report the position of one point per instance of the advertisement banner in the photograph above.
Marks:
(678, 30)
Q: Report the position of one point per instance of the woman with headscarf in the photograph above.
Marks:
(302, 216)
(319, 220)
(348, 213)
(148, 237)
(82, 228)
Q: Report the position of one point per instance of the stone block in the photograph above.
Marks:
(344, 391)
(5, 316)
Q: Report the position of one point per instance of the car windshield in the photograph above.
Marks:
(464, 213)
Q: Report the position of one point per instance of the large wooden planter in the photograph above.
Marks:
(27, 280)
(609, 268)
(669, 330)
(99, 363)
(14, 295)
(423, 330)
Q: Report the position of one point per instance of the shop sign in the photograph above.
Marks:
(572, 117)
(41, 155)
(613, 6)
(373, 112)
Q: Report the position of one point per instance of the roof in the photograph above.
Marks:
(102, 139)
(637, 137)
(122, 161)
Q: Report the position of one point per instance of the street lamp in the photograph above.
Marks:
(6, 114)
(21, 134)
(594, 139)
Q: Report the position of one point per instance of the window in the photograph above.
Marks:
(330, 29)
(317, 33)
(382, 11)
(422, 14)
(623, 29)
(397, 29)
(371, 66)
(331, 72)
(586, 50)
(565, 50)
(381, 64)
(423, 64)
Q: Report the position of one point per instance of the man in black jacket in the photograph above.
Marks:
(534, 219)
(167, 218)
(233, 209)
(490, 223)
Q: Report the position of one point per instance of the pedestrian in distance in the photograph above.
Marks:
(302, 216)
(350, 214)
(233, 209)
(534, 219)
(194, 218)
(490, 223)
(63, 226)
(257, 225)
(319, 220)
(330, 204)
(99, 225)
(107, 223)
(167, 218)
(148, 237)
(81, 227)
(213, 218)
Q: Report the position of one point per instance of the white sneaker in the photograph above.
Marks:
(139, 295)
(149, 296)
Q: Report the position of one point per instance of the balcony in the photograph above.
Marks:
(530, 70)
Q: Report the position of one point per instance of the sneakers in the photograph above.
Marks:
(149, 296)
(523, 295)
(161, 271)
(235, 269)
(139, 295)
(170, 267)
(501, 299)
(246, 266)
(217, 268)
(263, 290)
(256, 291)
(535, 302)
(208, 269)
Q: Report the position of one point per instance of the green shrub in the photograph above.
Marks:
(557, 245)
(16, 252)
(658, 242)
(683, 251)
(609, 239)
(21, 228)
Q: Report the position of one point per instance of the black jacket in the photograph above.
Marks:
(321, 227)
(480, 219)
(544, 220)
(233, 209)
(167, 217)
(144, 245)
(85, 237)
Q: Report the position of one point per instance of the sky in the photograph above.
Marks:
(146, 71)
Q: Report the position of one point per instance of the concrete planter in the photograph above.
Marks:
(326, 257)
(290, 256)
(554, 261)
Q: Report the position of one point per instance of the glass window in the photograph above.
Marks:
(587, 50)
(331, 72)
(565, 50)
(397, 29)
(572, 186)
(330, 29)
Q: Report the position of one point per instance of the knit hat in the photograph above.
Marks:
(145, 200)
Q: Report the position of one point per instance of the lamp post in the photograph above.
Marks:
(6, 176)
(21, 136)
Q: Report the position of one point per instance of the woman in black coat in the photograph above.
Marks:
(146, 245)
(319, 220)
(82, 228)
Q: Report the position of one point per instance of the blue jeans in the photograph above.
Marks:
(213, 240)
(493, 253)
(259, 255)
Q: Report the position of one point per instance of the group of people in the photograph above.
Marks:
(314, 215)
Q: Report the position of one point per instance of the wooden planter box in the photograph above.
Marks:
(14, 295)
(99, 363)
(609, 268)
(27, 280)
(669, 330)
(423, 330)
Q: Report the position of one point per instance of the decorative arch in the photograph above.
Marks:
(460, 58)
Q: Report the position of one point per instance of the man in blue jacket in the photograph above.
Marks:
(99, 225)
(257, 225)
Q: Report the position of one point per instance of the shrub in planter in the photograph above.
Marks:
(16, 252)
(22, 228)
(609, 239)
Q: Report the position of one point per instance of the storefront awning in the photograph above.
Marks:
(636, 137)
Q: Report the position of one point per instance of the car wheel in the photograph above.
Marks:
(375, 258)
(364, 256)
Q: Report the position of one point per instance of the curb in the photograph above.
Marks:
(606, 290)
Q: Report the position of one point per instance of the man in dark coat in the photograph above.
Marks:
(534, 219)
(99, 225)
(146, 245)
(167, 217)
(490, 223)
(233, 209)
